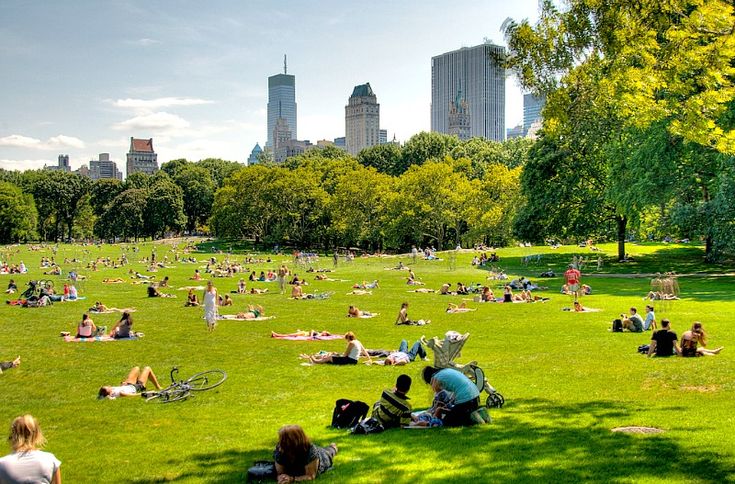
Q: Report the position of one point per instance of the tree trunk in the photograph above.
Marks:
(708, 246)
(622, 225)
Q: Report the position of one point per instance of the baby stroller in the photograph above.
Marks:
(446, 350)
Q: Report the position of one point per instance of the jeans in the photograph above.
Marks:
(416, 349)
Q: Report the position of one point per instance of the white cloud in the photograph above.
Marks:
(51, 144)
(22, 165)
(144, 42)
(158, 103)
(160, 121)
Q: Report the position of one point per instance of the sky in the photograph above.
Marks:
(80, 77)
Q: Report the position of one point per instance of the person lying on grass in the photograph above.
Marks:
(6, 365)
(660, 296)
(693, 342)
(351, 356)
(300, 333)
(253, 312)
(131, 386)
(404, 356)
(154, 292)
(101, 308)
(432, 417)
(466, 394)
(297, 459)
(459, 308)
(355, 312)
(113, 280)
(393, 409)
(366, 285)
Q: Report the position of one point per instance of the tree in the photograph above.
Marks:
(164, 206)
(137, 180)
(103, 192)
(219, 170)
(124, 215)
(173, 167)
(18, 213)
(425, 146)
(385, 158)
(198, 189)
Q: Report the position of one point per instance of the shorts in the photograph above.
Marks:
(139, 387)
(574, 287)
(343, 360)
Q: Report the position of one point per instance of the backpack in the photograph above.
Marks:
(348, 413)
(262, 471)
(617, 326)
(368, 426)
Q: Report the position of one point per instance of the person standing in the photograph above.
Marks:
(210, 306)
(282, 273)
(573, 277)
(27, 463)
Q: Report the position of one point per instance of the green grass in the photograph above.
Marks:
(566, 379)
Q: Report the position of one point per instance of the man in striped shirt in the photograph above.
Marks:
(393, 409)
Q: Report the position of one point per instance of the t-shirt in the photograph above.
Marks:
(393, 409)
(120, 391)
(297, 466)
(572, 276)
(356, 349)
(650, 318)
(400, 358)
(33, 466)
(637, 321)
(461, 386)
(665, 340)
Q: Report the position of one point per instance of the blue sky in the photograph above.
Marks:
(80, 77)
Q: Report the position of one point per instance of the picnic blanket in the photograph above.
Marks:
(116, 310)
(233, 317)
(310, 338)
(94, 339)
(368, 316)
(193, 288)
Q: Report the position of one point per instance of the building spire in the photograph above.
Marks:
(285, 65)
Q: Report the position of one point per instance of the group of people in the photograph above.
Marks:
(664, 342)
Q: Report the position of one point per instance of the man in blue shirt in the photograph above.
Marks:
(650, 322)
(466, 394)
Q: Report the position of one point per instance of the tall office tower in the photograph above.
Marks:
(362, 119)
(532, 107)
(281, 136)
(383, 137)
(104, 168)
(141, 157)
(281, 102)
(484, 89)
(459, 117)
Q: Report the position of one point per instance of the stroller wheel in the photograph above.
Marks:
(494, 400)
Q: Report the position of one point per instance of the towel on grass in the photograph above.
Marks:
(233, 317)
(309, 338)
(94, 339)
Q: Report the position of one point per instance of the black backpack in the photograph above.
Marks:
(348, 413)
(617, 326)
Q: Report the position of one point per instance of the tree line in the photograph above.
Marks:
(637, 141)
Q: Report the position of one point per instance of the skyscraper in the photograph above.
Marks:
(281, 102)
(104, 167)
(362, 119)
(483, 82)
(532, 106)
(141, 157)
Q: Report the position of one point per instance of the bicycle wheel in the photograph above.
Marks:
(206, 380)
(495, 400)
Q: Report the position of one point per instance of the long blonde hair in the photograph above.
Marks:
(25, 434)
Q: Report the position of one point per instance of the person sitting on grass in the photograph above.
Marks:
(241, 289)
(650, 322)
(693, 342)
(297, 459)
(225, 301)
(27, 463)
(393, 409)
(164, 282)
(86, 328)
(123, 327)
(197, 276)
(6, 365)
(12, 287)
(404, 356)
(297, 292)
(131, 386)
(192, 299)
(351, 356)
(154, 292)
(466, 394)
(664, 341)
(634, 322)
(253, 312)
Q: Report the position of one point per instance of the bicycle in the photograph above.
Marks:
(182, 389)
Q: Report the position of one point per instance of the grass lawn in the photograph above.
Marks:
(567, 380)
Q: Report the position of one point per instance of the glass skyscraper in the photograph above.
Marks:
(281, 102)
(532, 107)
(483, 87)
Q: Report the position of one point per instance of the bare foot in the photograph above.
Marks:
(715, 351)
(16, 362)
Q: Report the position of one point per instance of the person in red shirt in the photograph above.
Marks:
(573, 277)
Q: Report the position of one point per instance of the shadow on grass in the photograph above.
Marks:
(531, 440)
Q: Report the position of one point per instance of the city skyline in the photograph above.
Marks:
(196, 81)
